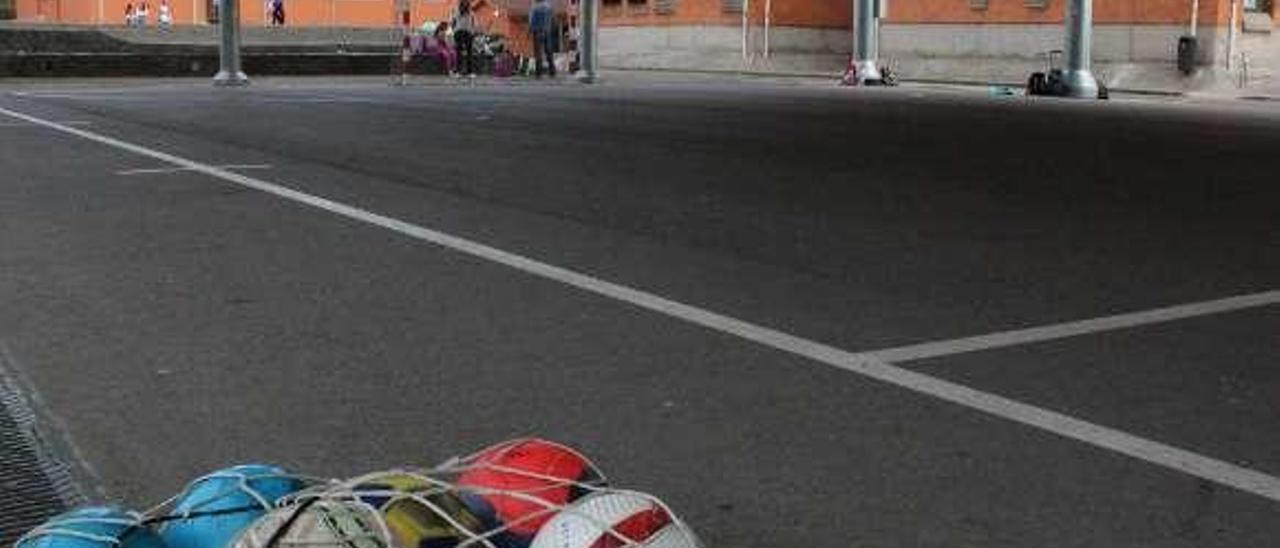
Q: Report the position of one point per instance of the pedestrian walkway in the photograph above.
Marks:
(1261, 76)
(1255, 72)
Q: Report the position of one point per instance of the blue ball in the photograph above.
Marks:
(114, 526)
(222, 504)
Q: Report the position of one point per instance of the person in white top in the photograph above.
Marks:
(143, 13)
(464, 32)
(166, 15)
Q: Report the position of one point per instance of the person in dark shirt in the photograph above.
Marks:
(541, 23)
(464, 33)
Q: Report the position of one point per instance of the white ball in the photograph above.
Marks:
(615, 519)
(322, 524)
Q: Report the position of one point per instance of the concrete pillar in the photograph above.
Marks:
(589, 40)
(866, 36)
(1078, 74)
(229, 51)
(1233, 22)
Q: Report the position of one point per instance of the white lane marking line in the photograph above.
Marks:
(1151, 451)
(85, 91)
(80, 123)
(1071, 329)
(154, 170)
(316, 100)
(88, 95)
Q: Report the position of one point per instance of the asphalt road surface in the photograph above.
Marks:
(176, 319)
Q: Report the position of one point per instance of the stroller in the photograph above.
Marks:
(490, 49)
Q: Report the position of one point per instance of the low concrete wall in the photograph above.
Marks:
(719, 48)
(47, 40)
(48, 37)
(1135, 57)
(618, 41)
(1111, 43)
(1138, 57)
(81, 51)
(1014, 71)
(199, 63)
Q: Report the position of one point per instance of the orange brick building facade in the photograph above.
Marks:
(783, 13)
(838, 13)
(351, 13)
(943, 38)
(305, 13)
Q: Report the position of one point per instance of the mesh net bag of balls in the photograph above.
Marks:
(524, 493)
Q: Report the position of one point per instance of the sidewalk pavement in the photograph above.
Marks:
(1217, 85)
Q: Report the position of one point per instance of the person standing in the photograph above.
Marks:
(275, 12)
(165, 17)
(464, 33)
(541, 23)
(129, 14)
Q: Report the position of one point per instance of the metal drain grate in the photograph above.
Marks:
(33, 485)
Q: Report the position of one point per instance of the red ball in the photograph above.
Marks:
(541, 469)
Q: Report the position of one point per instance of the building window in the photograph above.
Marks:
(1261, 6)
(978, 5)
(731, 6)
(1036, 4)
